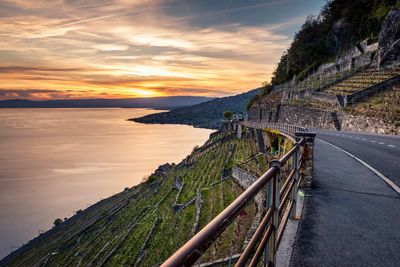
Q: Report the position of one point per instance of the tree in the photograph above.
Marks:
(339, 26)
(195, 148)
(228, 115)
(57, 222)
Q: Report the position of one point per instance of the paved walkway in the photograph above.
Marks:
(351, 217)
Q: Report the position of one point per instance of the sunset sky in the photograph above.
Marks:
(59, 49)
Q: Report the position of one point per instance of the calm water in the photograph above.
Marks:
(56, 161)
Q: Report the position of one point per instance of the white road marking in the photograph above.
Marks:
(358, 138)
(383, 177)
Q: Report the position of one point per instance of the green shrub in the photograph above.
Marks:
(57, 222)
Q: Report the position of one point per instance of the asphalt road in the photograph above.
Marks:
(351, 217)
(380, 151)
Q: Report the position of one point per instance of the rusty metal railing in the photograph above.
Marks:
(280, 205)
(289, 128)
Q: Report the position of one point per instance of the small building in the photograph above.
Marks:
(239, 116)
(163, 169)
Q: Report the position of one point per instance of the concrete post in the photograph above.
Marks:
(260, 140)
(239, 131)
(307, 150)
(293, 194)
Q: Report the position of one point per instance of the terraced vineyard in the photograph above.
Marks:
(383, 105)
(143, 225)
(360, 81)
(318, 81)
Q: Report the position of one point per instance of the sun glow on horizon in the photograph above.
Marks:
(146, 93)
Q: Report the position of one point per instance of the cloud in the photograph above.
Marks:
(29, 93)
(110, 47)
(66, 47)
(236, 9)
(20, 69)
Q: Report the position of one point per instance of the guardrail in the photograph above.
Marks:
(280, 205)
(289, 128)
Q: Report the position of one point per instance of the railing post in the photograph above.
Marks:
(293, 194)
(306, 170)
(275, 197)
(269, 204)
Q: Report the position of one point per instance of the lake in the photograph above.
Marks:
(56, 161)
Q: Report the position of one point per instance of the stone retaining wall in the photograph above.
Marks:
(321, 119)
(353, 98)
(306, 117)
(320, 96)
(367, 124)
(195, 227)
(245, 179)
(242, 177)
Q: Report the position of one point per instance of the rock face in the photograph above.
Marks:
(389, 38)
(339, 36)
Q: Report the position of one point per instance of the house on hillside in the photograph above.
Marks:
(239, 116)
(163, 169)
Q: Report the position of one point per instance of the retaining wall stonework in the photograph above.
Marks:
(245, 179)
(324, 97)
(195, 227)
(367, 124)
(321, 119)
(306, 117)
(353, 98)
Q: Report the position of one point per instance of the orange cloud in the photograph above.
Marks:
(59, 49)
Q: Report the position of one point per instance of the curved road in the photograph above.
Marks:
(351, 216)
(380, 151)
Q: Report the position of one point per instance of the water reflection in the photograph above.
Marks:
(55, 161)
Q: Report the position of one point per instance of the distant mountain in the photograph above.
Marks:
(151, 102)
(204, 115)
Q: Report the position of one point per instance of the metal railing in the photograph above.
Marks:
(289, 128)
(280, 205)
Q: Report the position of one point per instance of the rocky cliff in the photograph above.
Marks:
(389, 38)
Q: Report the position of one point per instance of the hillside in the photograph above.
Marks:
(151, 102)
(356, 87)
(204, 115)
(322, 38)
(384, 105)
(173, 204)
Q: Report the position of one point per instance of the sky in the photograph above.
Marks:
(66, 49)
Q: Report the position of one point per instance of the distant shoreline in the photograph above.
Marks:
(205, 115)
(149, 108)
(160, 103)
